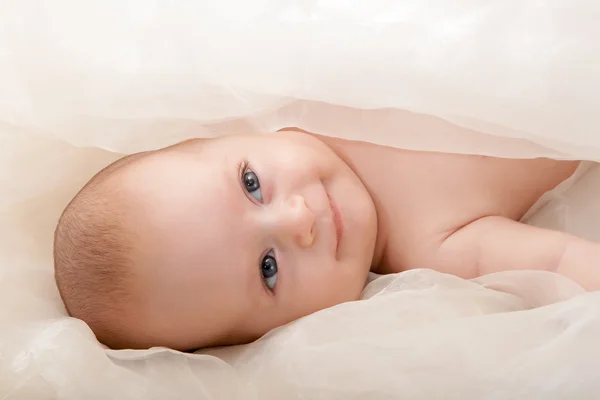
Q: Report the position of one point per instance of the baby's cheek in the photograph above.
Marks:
(330, 282)
(314, 162)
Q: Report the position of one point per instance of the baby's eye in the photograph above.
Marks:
(268, 270)
(252, 185)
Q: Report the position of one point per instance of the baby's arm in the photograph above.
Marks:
(493, 244)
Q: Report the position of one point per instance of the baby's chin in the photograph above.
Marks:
(361, 231)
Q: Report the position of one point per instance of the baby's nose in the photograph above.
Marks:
(297, 222)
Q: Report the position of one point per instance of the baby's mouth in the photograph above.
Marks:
(337, 222)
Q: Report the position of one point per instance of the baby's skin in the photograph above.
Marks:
(241, 234)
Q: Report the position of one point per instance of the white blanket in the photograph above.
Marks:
(82, 82)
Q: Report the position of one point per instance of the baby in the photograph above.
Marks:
(217, 241)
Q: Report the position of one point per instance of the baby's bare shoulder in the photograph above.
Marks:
(423, 197)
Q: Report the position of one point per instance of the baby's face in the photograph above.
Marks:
(240, 235)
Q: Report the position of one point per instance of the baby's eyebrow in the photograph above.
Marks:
(235, 174)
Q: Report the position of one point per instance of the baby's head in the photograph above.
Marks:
(214, 242)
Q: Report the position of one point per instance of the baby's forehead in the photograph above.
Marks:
(165, 167)
(184, 198)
